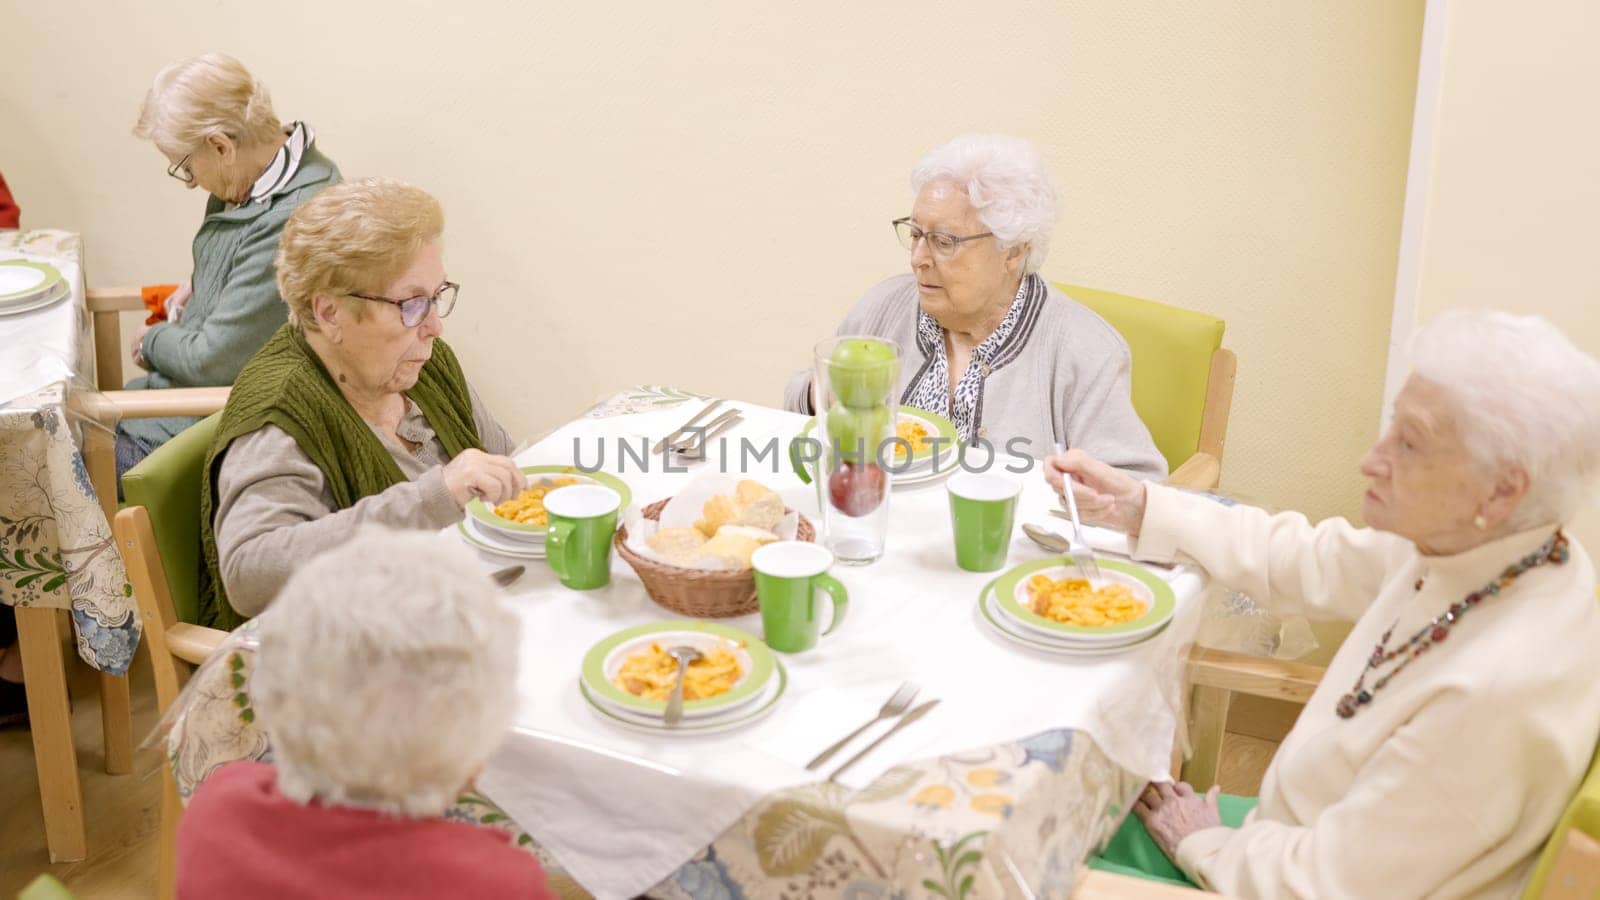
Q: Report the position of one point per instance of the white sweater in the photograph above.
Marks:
(1449, 782)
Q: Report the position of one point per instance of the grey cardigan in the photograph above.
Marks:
(235, 304)
(1070, 382)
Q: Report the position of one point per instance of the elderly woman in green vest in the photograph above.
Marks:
(354, 412)
(213, 121)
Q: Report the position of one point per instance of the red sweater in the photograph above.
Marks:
(241, 839)
(9, 214)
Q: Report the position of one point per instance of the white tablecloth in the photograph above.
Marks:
(45, 346)
(621, 811)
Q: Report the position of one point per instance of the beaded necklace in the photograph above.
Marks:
(1553, 552)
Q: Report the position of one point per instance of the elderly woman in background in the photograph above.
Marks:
(1460, 715)
(214, 123)
(987, 342)
(382, 690)
(355, 411)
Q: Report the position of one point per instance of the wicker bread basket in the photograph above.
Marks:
(698, 593)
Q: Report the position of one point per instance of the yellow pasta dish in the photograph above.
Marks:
(527, 507)
(1074, 601)
(650, 674)
(913, 433)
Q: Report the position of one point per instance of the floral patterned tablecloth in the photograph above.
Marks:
(1011, 820)
(56, 547)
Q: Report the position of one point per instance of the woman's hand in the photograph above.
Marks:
(136, 350)
(1172, 812)
(176, 300)
(474, 473)
(1106, 496)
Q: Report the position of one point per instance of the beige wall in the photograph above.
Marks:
(1509, 217)
(694, 193)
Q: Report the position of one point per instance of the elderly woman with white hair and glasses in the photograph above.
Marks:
(356, 411)
(213, 121)
(1454, 724)
(986, 341)
(382, 690)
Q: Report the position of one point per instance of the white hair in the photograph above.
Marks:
(386, 674)
(1525, 395)
(195, 98)
(1006, 181)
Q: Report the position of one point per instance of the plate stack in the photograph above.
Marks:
(516, 540)
(26, 286)
(760, 685)
(1003, 606)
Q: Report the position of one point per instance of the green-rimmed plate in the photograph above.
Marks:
(750, 713)
(23, 280)
(603, 660)
(474, 537)
(1011, 598)
(484, 513)
(1008, 630)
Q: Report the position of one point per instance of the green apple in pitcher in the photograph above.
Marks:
(858, 432)
(862, 371)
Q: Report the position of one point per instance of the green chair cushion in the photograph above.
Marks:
(1172, 350)
(167, 484)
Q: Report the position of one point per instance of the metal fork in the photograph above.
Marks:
(677, 434)
(694, 446)
(1090, 569)
(895, 706)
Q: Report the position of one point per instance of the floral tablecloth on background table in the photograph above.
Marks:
(56, 547)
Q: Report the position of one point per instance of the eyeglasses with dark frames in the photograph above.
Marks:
(941, 244)
(414, 309)
(180, 170)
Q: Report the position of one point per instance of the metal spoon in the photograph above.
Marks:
(684, 656)
(1047, 539)
(505, 577)
(1089, 569)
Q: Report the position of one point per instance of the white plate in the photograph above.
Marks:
(22, 279)
(988, 612)
(470, 533)
(58, 292)
(643, 724)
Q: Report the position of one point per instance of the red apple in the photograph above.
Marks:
(856, 489)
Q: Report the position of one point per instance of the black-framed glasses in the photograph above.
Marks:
(414, 309)
(939, 243)
(180, 170)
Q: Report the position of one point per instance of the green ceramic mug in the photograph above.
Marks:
(983, 507)
(788, 576)
(583, 517)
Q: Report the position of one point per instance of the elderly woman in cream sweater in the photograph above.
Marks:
(986, 342)
(1458, 718)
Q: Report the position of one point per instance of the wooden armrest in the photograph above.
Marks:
(1200, 472)
(1576, 871)
(194, 643)
(117, 299)
(1094, 884)
(1255, 675)
(109, 406)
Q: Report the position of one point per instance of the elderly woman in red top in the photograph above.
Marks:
(382, 690)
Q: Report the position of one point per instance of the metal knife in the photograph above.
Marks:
(905, 720)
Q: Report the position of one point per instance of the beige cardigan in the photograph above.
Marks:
(1449, 782)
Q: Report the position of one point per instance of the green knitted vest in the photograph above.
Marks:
(286, 385)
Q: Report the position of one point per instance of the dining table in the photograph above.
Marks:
(57, 551)
(1026, 766)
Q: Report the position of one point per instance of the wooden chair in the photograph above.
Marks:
(106, 306)
(1182, 379)
(159, 537)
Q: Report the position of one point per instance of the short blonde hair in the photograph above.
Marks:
(195, 98)
(386, 673)
(354, 237)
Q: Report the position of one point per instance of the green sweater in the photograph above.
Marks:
(235, 306)
(287, 385)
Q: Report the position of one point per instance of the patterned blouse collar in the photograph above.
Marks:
(930, 389)
(276, 176)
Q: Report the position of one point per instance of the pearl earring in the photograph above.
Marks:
(1479, 522)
